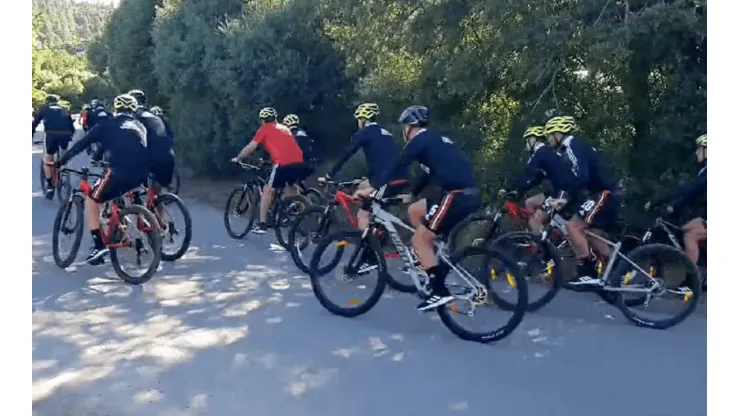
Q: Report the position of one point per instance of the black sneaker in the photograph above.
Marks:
(96, 256)
(49, 191)
(259, 228)
(586, 274)
(435, 300)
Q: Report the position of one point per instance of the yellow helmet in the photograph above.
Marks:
(535, 131)
(367, 111)
(125, 102)
(701, 141)
(291, 120)
(268, 112)
(563, 124)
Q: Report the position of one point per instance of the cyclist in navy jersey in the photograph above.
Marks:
(381, 153)
(595, 200)
(443, 162)
(544, 163)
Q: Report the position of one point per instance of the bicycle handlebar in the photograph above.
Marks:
(84, 172)
(249, 166)
(347, 184)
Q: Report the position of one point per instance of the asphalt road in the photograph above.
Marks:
(233, 329)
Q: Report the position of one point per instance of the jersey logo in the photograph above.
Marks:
(446, 140)
(138, 127)
(424, 168)
(385, 132)
(573, 160)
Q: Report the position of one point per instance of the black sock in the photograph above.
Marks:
(437, 276)
(97, 238)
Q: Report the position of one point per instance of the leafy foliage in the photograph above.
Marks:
(633, 73)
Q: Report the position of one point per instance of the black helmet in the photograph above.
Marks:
(139, 95)
(52, 99)
(416, 115)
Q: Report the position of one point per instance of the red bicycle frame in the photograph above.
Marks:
(346, 201)
(113, 222)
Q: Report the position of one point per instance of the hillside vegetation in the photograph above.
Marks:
(633, 73)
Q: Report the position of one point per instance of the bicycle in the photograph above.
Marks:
(300, 235)
(156, 203)
(114, 224)
(60, 180)
(621, 269)
(281, 213)
(472, 292)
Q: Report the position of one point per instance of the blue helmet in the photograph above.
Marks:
(416, 115)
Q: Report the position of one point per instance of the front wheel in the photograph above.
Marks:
(472, 298)
(64, 187)
(308, 228)
(164, 206)
(175, 184)
(42, 177)
(315, 196)
(142, 226)
(242, 204)
(68, 223)
(366, 283)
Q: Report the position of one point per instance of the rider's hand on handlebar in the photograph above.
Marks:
(363, 193)
(322, 180)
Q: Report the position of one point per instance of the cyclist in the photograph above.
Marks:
(599, 208)
(59, 128)
(124, 138)
(288, 167)
(157, 111)
(695, 231)
(83, 116)
(159, 143)
(96, 114)
(441, 160)
(543, 163)
(304, 140)
(381, 153)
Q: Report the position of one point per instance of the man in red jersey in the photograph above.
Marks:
(288, 167)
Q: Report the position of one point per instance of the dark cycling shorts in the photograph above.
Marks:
(162, 170)
(282, 176)
(443, 213)
(55, 143)
(396, 187)
(113, 185)
(600, 210)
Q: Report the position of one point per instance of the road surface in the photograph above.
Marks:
(233, 329)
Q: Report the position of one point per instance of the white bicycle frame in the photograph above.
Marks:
(389, 221)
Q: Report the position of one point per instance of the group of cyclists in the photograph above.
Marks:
(134, 141)
(138, 142)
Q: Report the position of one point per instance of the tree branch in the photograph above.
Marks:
(548, 88)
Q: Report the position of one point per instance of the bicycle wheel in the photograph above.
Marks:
(341, 241)
(174, 187)
(42, 177)
(477, 300)
(288, 209)
(539, 260)
(314, 196)
(241, 204)
(169, 204)
(685, 300)
(308, 228)
(146, 230)
(470, 230)
(64, 186)
(72, 210)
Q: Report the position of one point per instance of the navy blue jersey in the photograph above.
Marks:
(158, 138)
(440, 160)
(123, 138)
(381, 153)
(546, 163)
(57, 121)
(589, 168)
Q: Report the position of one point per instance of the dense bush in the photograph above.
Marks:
(632, 73)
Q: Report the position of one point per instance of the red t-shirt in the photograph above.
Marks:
(279, 143)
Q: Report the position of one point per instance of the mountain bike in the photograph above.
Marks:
(60, 179)
(470, 293)
(115, 223)
(247, 201)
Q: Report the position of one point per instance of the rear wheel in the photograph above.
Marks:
(242, 204)
(42, 176)
(138, 226)
(68, 223)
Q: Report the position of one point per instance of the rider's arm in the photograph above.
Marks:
(421, 181)
(687, 195)
(355, 144)
(94, 135)
(37, 119)
(532, 175)
(410, 152)
(168, 128)
(258, 138)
